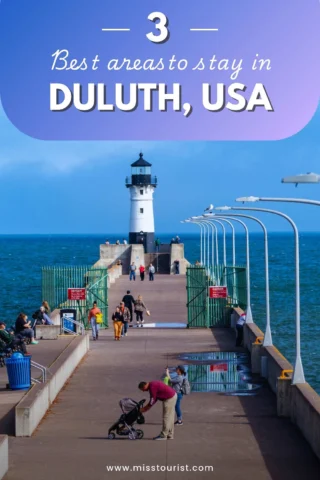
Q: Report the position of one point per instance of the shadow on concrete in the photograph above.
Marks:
(285, 451)
(7, 423)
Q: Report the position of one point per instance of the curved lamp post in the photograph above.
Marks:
(249, 318)
(224, 239)
(201, 227)
(298, 374)
(267, 341)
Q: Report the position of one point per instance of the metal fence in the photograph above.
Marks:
(57, 280)
(209, 312)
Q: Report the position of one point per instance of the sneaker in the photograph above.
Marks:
(160, 437)
(169, 438)
(34, 342)
(125, 334)
(94, 338)
(142, 321)
(178, 422)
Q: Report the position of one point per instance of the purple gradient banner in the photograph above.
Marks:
(160, 70)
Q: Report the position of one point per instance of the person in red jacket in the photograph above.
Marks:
(142, 270)
(165, 394)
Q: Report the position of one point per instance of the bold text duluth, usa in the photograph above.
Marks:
(151, 96)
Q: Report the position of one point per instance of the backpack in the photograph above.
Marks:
(186, 387)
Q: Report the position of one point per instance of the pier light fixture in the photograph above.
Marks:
(249, 318)
(209, 215)
(302, 178)
(267, 341)
(298, 374)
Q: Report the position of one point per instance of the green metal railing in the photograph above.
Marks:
(56, 280)
(208, 312)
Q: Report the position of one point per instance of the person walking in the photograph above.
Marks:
(125, 318)
(176, 383)
(117, 318)
(128, 302)
(176, 267)
(92, 318)
(133, 269)
(157, 244)
(239, 328)
(167, 395)
(142, 270)
(139, 306)
(151, 272)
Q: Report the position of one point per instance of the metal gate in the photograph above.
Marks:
(57, 280)
(208, 312)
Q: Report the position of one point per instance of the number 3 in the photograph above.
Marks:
(162, 26)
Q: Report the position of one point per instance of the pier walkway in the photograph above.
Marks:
(45, 353)
(239, 437)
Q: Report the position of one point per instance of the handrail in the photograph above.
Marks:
(75, 322)
(43, 370)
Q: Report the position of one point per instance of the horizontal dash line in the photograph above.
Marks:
(204, 29)
(116, 29)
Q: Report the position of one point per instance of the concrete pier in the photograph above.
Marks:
(237, 437)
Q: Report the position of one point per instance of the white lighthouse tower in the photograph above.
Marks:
(141, 185)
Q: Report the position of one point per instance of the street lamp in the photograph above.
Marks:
(224, 239)
(233, 236)
(207, 231)
(298, 374)
(302, 178)
(249, 318)
(267, 341)
(201, 228)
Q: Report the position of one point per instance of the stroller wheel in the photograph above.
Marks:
(140, 434)
(133, 436)
(111, 436)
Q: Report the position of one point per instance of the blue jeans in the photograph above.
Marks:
(95, 327)
(151, 276)
(132, 275)
(178, 407)
(124, 328)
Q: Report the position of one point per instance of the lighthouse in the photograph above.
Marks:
(141, 185)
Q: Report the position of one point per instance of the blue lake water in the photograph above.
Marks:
(21, 259)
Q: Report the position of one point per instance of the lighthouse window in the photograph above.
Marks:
(141, 210)
(141, 192)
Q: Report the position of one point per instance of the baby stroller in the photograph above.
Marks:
(131, 415)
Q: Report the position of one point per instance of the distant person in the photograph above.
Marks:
(119, 263)
(41, 317)
(172, 241)
(157, 244)
(176, 267)
(152, 271)
(142, 270)
(176, 383)
(92, 318)
(118, 242)
(117, 318)
(23, 327)
(139, 306)
(12, 341)
(177, 240)
(125, 242)
(133, 269)
(107, 242)
(125, 318)
(129, 302)
(46, 306)
(239, 328)
(165, 394)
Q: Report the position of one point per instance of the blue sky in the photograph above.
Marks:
(78, 187)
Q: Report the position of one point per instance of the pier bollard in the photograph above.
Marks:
(256, 351)
(284, 393)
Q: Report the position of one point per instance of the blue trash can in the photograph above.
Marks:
(19, 371)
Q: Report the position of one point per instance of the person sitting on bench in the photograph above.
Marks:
(12, 341)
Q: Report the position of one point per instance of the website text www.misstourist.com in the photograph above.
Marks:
(160, 468)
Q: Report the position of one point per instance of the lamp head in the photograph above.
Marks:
(247, 199)
(302, 178)
(223, 208)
